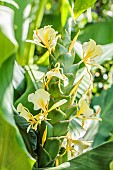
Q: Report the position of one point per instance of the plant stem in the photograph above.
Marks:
(30, 72)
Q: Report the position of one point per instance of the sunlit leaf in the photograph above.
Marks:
(80, 6)
(106, 126)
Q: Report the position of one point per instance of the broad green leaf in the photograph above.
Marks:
(30, 138)
(52, 146)
(48, 153)
(106, 126)
(24, 97)
(12, 155)
(96, 31)
(66, 10)
(28, 19)
(60, 125)
(8, 43)
(81, 5)
(95, 159)
(10, 140)
(111, 165)
(44, 158)
(55, 116)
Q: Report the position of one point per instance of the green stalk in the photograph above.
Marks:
(30, 72)
(29, 48)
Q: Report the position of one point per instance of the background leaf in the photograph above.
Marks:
(80, 6)
(100, 32)
(106, 126)
(6, 36)
(12, 148)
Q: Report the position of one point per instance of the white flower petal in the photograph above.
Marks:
(45, 37)
(23, 112)
(61, 102)
(56, 73)
(40, 99)
(91, 50)
(84, 109)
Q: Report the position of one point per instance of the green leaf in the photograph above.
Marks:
(80, 6)
(60, 128)
(44, 157)
(45, 124)
(10, 140)
(66, 9)
(56, 116)
(30, 138)
(96, 31)
(26, 20)
(23, 98)
(12, 148)
(12, 155)
(106, 126)
(111, 165)
(52, 146)
(67, 59)
(8, 43)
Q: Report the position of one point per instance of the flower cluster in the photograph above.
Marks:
(44, 101)
(40, 99)
(45, 37)
(74, 146)
(90, 52)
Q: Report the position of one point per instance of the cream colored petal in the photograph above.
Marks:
(42, 36)
(45, 37)
(97, 52)
(23, 112)
(81, 145)
(31, 97)
(61, 102)
(89, 47)
(91, 50)
(66, 81)
(35, 42)
(53, 73)
(40, 99)
(84, 109)
(19, 107)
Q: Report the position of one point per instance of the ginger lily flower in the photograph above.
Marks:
(41, 99)
(90, 52)
(45, 37)
(33, 121)
(85, 112)
(73, 146)
(56, 72)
